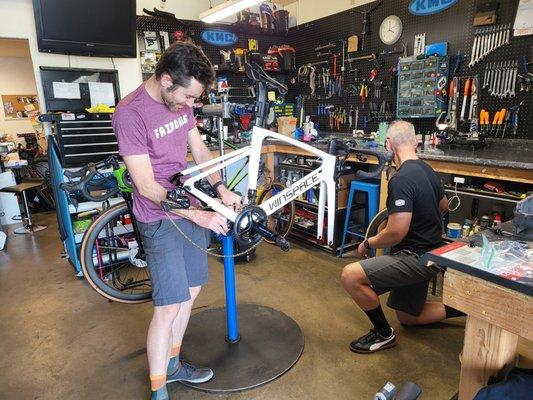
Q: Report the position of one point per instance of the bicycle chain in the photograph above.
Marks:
(248, 251)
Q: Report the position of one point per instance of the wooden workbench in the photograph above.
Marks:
(496, 317)
(487, 164)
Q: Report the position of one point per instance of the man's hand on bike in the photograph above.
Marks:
(230, 198)
(362, 250)
(212, 220)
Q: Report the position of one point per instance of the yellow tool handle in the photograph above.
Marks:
(496, 117)
(502, 116)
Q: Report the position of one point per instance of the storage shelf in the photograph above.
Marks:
(484, 194)
(119, 230)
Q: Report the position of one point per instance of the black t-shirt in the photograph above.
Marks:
(416, 189)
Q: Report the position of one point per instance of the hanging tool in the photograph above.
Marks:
(459, 58)
(420, 44)
(325, 47)
(506, 121)
(402, 51)
(350, 117)
(465, 97)
(366, 21)
(472, 115)
(501, 116)
(483, 119)
(453, 98)
(343, 58)
(363, 93)
(514, 117)
(312, 74)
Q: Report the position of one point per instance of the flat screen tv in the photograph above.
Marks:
(100, 28)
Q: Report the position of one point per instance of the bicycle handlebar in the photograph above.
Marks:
(337, 148)
(86, 174)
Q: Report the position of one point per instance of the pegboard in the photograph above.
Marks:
(453, 25)
(193, 30)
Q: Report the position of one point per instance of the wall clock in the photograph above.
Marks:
(390, 29)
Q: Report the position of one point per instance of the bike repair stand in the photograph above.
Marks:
(267, 346)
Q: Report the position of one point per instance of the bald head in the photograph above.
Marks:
(401, 134)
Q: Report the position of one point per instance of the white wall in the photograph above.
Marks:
(17, 21)
(16, 77)
(309, 10)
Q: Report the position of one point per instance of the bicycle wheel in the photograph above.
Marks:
(109, 258)
(281, 221)
(376, 225)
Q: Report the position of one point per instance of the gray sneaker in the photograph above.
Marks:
(160, 394)
(191, 374)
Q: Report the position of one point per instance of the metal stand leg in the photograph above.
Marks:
(28, 227)
(231, 299)
(268, 345)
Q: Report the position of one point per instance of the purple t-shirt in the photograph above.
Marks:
(144, 126)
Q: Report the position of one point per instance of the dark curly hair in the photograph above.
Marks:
(183, 61)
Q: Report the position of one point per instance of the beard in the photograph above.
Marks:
(169, 102)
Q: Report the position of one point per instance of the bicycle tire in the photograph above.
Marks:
(282, 220)
(375, 225)
(92, 271)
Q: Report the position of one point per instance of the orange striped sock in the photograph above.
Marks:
(175, 351)
(158, 381)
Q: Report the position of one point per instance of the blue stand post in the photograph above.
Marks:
(229, 282)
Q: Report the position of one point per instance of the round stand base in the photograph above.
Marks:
(270, 344)
(26, 230)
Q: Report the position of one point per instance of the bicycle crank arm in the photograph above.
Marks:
(268, 234)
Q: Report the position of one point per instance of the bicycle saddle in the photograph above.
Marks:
(258, 74)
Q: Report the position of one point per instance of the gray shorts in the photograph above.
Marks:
(175, 265)
(403, 276)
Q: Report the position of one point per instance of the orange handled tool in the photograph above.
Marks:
(496, 117)
(501, 116)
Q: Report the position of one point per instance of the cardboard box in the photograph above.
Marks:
(286, 125)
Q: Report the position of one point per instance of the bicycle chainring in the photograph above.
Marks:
(243, 226)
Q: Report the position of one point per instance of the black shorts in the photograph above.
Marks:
(403, 276)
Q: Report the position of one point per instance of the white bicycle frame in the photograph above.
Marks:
(323, 176)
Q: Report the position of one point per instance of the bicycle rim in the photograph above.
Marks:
(377, 223)
(106, 260)
(281, 221)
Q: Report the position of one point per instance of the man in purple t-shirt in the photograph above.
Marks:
(155, 126)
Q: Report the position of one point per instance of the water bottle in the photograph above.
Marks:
(387, 392)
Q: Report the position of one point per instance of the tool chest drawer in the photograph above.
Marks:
(85, 138)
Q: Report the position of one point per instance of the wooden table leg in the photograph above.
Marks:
(486, 350)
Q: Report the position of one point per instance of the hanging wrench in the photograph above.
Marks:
(475, 47)
(512, 94)
(507, 34)
(487, 69)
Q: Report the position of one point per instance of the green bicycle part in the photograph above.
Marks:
(124, 181)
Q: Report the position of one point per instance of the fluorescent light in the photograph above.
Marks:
(226, 9)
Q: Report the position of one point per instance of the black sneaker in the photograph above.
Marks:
(372, 342)
(191, 374)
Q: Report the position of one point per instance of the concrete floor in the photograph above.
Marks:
(60, 340)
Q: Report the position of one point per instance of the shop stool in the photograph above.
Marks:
(20, 189)
(371, 188)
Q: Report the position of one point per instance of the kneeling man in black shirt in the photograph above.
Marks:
(415, 204)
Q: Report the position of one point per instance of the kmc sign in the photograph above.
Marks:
(219, 37)
(427, 7)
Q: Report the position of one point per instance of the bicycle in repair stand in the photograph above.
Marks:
(112, 256)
